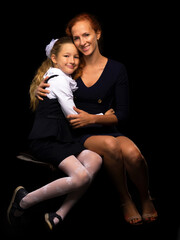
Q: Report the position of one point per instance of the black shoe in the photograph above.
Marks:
(14, 209)
(49, 220)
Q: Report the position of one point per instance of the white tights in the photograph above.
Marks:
(80, 172)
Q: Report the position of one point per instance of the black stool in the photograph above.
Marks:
(29, 158)
(34, 172)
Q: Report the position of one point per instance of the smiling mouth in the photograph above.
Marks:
(85, 48)
(71, 66)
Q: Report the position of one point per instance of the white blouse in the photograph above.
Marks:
(62, 88)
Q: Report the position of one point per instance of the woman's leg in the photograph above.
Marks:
(109, 148)
(137, 169)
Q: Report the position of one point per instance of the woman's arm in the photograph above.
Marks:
(83, 118)
(40, 90)
(121, 95)
(121, 104)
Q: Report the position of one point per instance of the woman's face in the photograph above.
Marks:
(84, 37)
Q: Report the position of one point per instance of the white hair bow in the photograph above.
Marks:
(49, 47)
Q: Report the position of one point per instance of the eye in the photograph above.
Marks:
(66, 55)
(75, 38)
(77, 56)
(86, 34)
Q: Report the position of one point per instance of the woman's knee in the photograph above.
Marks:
(133, 156)
(112, 148)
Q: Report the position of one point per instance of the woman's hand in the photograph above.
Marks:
(81, 119)
(41, 91)
(110, 111)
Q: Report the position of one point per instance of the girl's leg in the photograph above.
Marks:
(92, 162)
(77, 177)
(81, 171)
(109, 148)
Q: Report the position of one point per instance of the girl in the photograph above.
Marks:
(51, 138)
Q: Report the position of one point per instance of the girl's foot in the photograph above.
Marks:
(14, 209)
(52, 220)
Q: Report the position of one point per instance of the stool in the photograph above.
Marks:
(29, 158)
(43, 172)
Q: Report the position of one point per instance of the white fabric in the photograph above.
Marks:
(49, 47)
(62, 88)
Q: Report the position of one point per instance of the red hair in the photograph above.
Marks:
(95, 26)
(81, 17)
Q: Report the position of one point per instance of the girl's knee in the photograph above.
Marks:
(81, 177)
(92, 159)
(95, 159)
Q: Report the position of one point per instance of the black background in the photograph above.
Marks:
(137, 36)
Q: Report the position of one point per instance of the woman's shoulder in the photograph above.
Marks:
(115, 63)
(116, 67)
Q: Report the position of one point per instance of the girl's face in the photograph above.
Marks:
(84, 37)
(67, 59)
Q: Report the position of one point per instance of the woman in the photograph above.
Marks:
(102, 82)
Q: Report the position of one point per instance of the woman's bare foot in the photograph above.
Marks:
(149, 213)
(131, 214)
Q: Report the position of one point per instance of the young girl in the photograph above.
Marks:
(51, 139)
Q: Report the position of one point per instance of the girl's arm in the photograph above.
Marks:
(60, 89)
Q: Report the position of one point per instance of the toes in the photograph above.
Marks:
(150, 217)
(135, 220)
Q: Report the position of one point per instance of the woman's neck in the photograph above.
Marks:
(94, 58)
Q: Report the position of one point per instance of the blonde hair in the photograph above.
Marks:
(43, 69)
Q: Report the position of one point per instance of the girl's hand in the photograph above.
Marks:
(110, 111)
(81, 119)
(41, 91)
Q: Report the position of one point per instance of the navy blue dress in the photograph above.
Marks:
(51, 139)
(110, 91)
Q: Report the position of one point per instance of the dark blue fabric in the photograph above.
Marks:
(110, 91)
(51, 139)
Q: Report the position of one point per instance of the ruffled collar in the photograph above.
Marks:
(57, 71)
